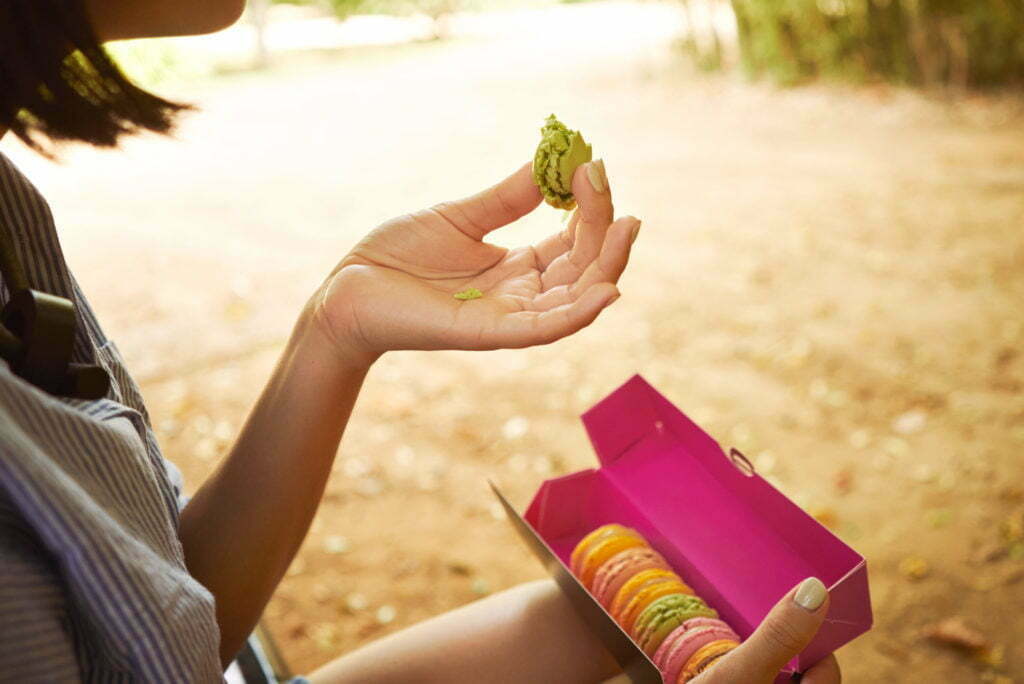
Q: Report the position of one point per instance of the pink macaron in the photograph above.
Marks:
(617, 570)
(679, 646)
(694, 623)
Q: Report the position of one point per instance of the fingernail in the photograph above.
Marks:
(810, 594)
(636, 231)
(595, 177)
(604, 173)
(613, 298)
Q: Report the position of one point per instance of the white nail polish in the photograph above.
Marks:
(604, 173)
(595, 177)
(810, 594)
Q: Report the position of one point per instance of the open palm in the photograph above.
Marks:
(395, 289)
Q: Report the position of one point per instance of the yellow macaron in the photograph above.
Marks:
(603, 532)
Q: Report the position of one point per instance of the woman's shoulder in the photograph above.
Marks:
(20, 194)
(26, 221)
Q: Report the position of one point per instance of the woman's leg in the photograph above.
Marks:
(528, 634)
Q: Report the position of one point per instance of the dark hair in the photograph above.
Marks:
(58, 83)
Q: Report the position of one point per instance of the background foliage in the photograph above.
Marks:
(962, 43)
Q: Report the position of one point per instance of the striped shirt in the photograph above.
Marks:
(93, 585)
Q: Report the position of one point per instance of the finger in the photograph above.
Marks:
(611, 262)
(593, 194)
(825, 672)
(783, 634)
(494, 207)
(528, 328)
(607, 267)
(594, 200)
(590, 185)
(554, 246)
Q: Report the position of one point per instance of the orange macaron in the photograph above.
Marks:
(600, 534)
(704, 657)
(642, 580)
(713, 662)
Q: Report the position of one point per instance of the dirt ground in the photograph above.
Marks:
(831, 280)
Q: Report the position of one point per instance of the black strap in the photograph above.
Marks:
(37, 336)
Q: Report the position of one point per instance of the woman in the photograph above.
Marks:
(102, 577)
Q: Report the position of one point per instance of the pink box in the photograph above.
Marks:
(739, 542)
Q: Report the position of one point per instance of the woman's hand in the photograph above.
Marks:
(395, 289)
(786, 631)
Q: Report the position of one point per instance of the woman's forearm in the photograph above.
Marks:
(244, 526)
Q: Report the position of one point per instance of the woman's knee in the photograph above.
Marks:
(549, 618)
(543, 601)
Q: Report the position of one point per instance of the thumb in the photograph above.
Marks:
(497, 206)
(784, 633)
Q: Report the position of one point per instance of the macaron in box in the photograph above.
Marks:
(725, 534)
(675, 628)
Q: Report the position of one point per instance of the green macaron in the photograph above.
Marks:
(664, 615)
(560, 152)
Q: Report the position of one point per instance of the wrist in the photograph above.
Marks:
(318, 339)
(313, 372)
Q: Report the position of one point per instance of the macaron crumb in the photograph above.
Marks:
(468, 293)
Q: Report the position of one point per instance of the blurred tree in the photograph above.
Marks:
(258, 17)
(960, 43)
(345, 8)
(701, 40)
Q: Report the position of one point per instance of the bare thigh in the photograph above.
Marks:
(526, 634)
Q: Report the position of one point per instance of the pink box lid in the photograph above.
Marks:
(739, 542)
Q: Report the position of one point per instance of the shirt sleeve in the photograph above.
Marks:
(37, 645)
(177, 483)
